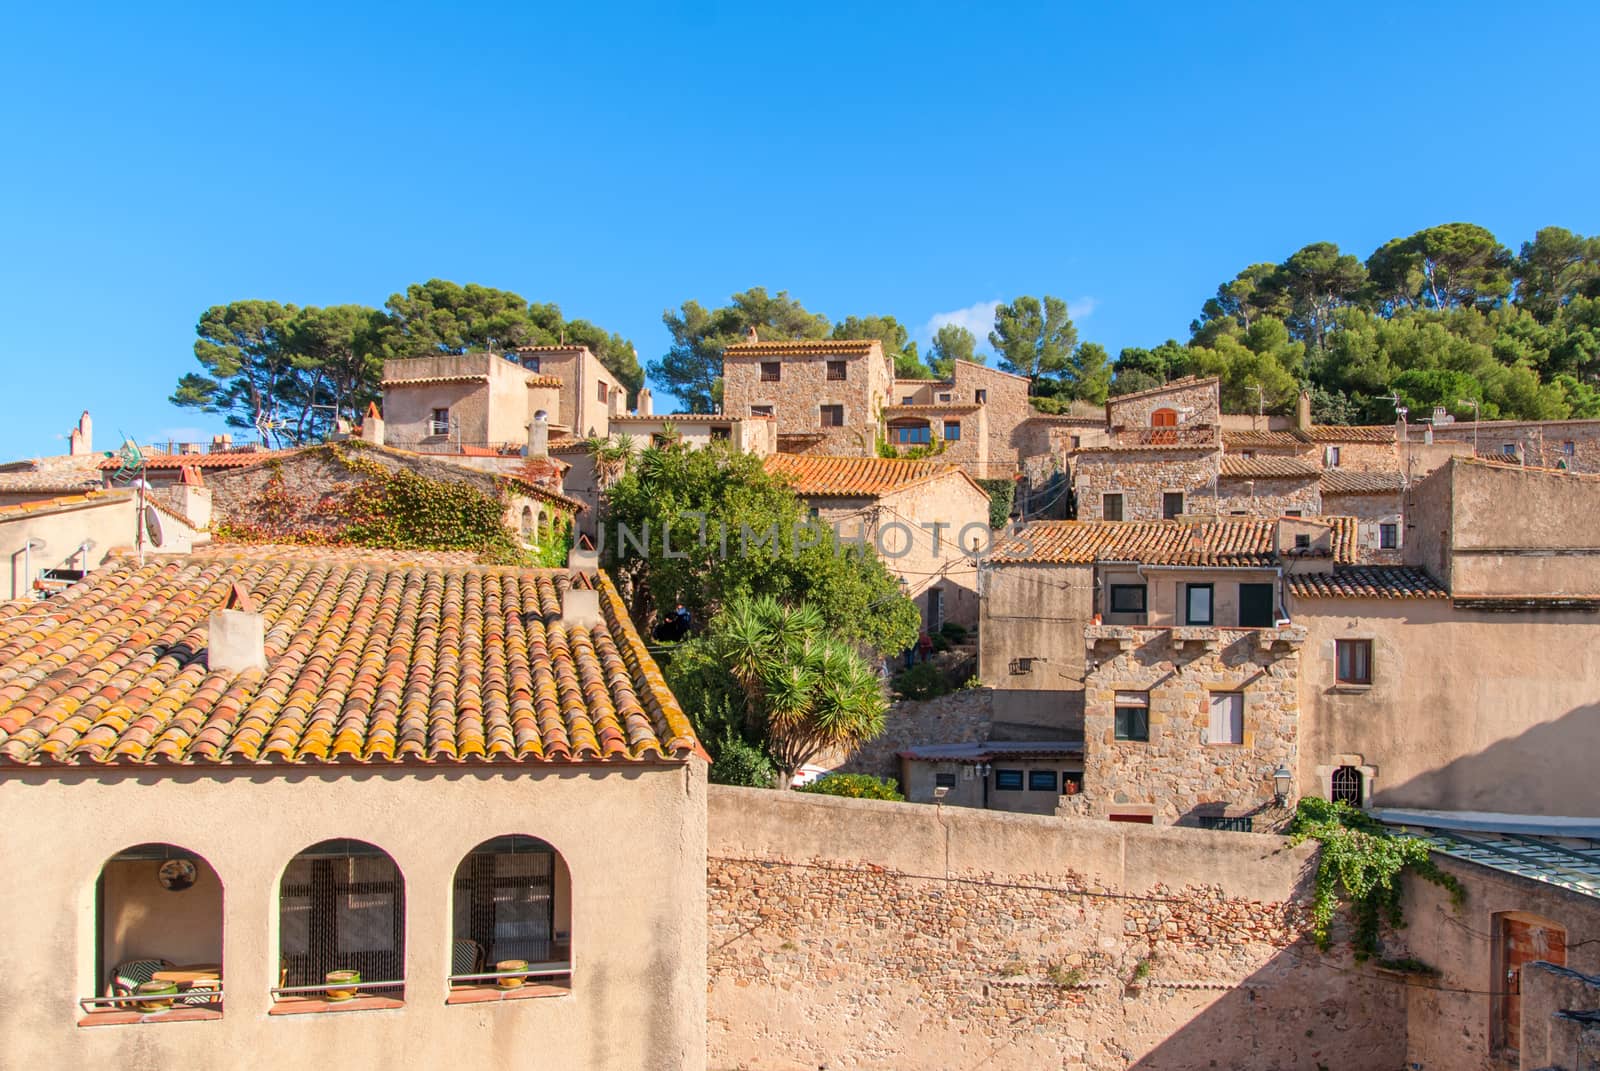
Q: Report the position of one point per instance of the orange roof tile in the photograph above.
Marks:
(802, 347)
(824, 476)
(1268, 468)
(1244, 438)
(1367, 582)
(933, 407)
(1234, 542)
(1357, 433)
(222, 459)
(1351, 482)
(366, 664)
(544, 381)
(50, 505)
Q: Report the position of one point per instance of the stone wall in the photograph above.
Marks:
(803, 388)
(1179, 774)
(1360, 456)
(1006, 411)
(1142, 476)
(1265, 497)
(853, 934)
(1202, 401)
(1541, 442)
(1370, 511)
(959, 718)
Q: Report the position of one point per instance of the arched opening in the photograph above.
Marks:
(512, 919)
(527, 523)
(1346, 787)
(158, 934)
(543, 527)
(341, 912)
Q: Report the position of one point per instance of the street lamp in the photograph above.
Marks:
(1282, 782)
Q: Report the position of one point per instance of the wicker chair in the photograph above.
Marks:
(125, 976)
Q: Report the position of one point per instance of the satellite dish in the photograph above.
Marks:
(152, 525)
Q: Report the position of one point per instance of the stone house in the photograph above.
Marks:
(434, 776)
(1572, 445)
(979, 413)
(927, 520)
(1021, 776)
(1161, 455)
(826, 395)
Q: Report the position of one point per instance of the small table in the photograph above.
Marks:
(190, 974)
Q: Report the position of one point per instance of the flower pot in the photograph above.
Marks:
(334, 977)
(513, 981)
(156, 989)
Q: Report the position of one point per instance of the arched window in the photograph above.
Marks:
(543, 527)
(1347, 786)
(512, 911)
(158, 935)
(527, 523)
(341, 910)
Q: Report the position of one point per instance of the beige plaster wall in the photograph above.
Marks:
(1030, 643)
(856, 934)
(1468, 710)
(1519, 532)
(110, 523)
(145, 920)
(1165, 592)
(633, 838)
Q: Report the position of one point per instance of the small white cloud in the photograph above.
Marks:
(977, 318)
(1081, 308)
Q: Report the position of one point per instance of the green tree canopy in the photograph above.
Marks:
(1035, 338)
(692, 367)
(895, 338)
(952, 343)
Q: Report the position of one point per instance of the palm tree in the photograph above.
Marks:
(610, 457)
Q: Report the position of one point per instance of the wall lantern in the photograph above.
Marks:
(1282, 782)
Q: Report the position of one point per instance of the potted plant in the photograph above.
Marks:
(511, 981)
(350, 978)
(155, 989)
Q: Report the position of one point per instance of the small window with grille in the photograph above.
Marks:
(1347, 786)
(342, 908)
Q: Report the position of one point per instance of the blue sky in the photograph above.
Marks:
(909, 160)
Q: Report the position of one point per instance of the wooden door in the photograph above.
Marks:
(1522, 941)
(1164, 419)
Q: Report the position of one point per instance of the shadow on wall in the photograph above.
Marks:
(1545, 770)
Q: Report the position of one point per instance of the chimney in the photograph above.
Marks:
(646, 403)
(194, 497)
(236, 635)
(81, 439)
(372, 425)
(1302, 411)
(580, 607)
(751, 336)
(539, 435)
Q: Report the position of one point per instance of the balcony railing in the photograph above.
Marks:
(1188, 435)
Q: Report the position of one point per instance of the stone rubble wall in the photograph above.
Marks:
(853, 934)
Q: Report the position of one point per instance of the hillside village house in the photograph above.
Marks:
(440, 777)
(928, 520)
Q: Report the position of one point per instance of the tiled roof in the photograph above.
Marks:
(935, 408)
(51, 505)
(224, 459)
(1367, 582)
(1176, 384)
(1350, 482)
(544, 381)
(1245, 439)
(1267, 467)
(825, 476)
(802, 347)
(381, 556)
(63, 474)
(1237, 542)
(551, 348)
(1357, 433)
(418, 381)
(366, 665)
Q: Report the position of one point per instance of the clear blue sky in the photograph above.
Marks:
(870, 159)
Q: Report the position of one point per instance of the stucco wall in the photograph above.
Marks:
(633, 838)
(1467, 710)
(1518, 532)
(109, 523)
(853, 934)
(1030, 644)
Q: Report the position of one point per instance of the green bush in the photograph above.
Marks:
(855, 786)
(922, 681)
(740, 762)
(1002, 494)
(953, 632)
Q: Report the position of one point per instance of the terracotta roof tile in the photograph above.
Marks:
(1367, 582)
(367, 663)
(1244, 439)
(1238, 542)
(1350, 482)
(222, 459)
(933, 407)
(418, 381)
(50, 505)
(1358, 433)
(64, 474)
(802, 347)
(824, 476)
(1176, 384)
(1234, 466)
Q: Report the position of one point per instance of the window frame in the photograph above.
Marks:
(982, 396)
(952, 431)
(762, 410)
(1127, 705)
(1189, 591)
(825, 412)
(1037, 776)
(944, 779)
(838, 371)
(434, 423)
(1167, 513)
(1105, 500)
(1008, 776)
(1388, 535)
(1235, 719)
(772, 371)
(1115, 589)
(1353, 645)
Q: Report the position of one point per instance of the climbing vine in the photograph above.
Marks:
(1361, 862)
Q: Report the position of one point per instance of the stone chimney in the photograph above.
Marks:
(1302, 411)
(751, 336)
(237, 635)
(580, 607)
(372, 426)
(194, 497)
(539, 436)
(81, 439)
(646, 403)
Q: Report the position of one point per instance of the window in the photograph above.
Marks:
(1008, 780)
(1509, 450)
(1127, 598)
(159, 906)
(721, 433)
(833, 416)
(1197, 603)
(917, 433)
(1111, 506)
(341, 907)
(1355, 661)
(1332, 457)
(1346, 786)
(836, 370)
(527, 523)
(1388, 536)
(982, 396)
(1569, 448)
(1164, 418)
(1247, 454)
(1132, 721)
(771, 371)
(530, 362)
(1043, 781)
(508, 896)
(908, 400)
(1302, 541)
(1256, 606)
(945, 397)
(1294, 513)
(1227, 718)
(1076, 441)
(952, 431)
(1171, 505)
(601, 393)
(439, 423)
(760, 410)
(944, 780)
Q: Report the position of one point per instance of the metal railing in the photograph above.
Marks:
(182, 998)
(278, 991)
(552, 969)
